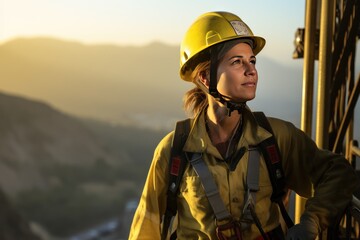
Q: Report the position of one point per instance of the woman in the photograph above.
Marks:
(218, 56)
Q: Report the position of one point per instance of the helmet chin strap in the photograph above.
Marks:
(230, 105)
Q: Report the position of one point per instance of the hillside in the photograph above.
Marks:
(118, 84)
(66, 173)
(125, 84)
(34, 135)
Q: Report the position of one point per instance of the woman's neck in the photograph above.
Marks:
(221, 127)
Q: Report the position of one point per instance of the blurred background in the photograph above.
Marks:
(87, 90)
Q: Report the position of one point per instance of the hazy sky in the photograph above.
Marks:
(129, 22)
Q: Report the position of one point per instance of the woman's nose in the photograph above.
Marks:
(250, 69)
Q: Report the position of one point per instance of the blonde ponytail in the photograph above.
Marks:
(195, 100)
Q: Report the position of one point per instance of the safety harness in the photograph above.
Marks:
(179, 160)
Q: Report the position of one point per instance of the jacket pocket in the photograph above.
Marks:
(192, 191)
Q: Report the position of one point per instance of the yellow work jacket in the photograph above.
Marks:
(304, 164)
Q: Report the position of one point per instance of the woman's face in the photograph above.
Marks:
(237, 75)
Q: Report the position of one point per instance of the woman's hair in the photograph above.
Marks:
(196, 99)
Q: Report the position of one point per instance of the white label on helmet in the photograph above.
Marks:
(240, 28)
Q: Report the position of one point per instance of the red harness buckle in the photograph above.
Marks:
(235, 226)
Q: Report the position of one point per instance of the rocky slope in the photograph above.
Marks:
(34, 135)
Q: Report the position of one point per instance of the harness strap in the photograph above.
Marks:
(274, 165)
(212, 193)
(217, 204)
(177, 164)
(257, 222)
(252, 185)
(252, 180)
(210, 187)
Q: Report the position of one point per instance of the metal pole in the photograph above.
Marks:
(351, 79)
(308, 84)
(324, 78)
(327, 19)
(308, 69)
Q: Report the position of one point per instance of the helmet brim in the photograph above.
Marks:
(203, 54)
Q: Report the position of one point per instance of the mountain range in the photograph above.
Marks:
(125, 84)
(55, 164)
(35, 135)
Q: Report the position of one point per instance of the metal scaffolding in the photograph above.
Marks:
(332, 29)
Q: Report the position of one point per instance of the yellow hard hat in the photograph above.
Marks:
(209, 29)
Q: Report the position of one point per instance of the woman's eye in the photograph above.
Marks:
(236, 61)
(253, 61)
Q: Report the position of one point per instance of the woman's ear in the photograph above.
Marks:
(204, 79)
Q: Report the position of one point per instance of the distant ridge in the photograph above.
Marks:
(34, 135)
(115, 83)
(55, 168)
(136, 85)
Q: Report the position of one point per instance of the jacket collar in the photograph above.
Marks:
(199, 141)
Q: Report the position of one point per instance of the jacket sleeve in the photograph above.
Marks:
(147, 219)
(325, 178)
